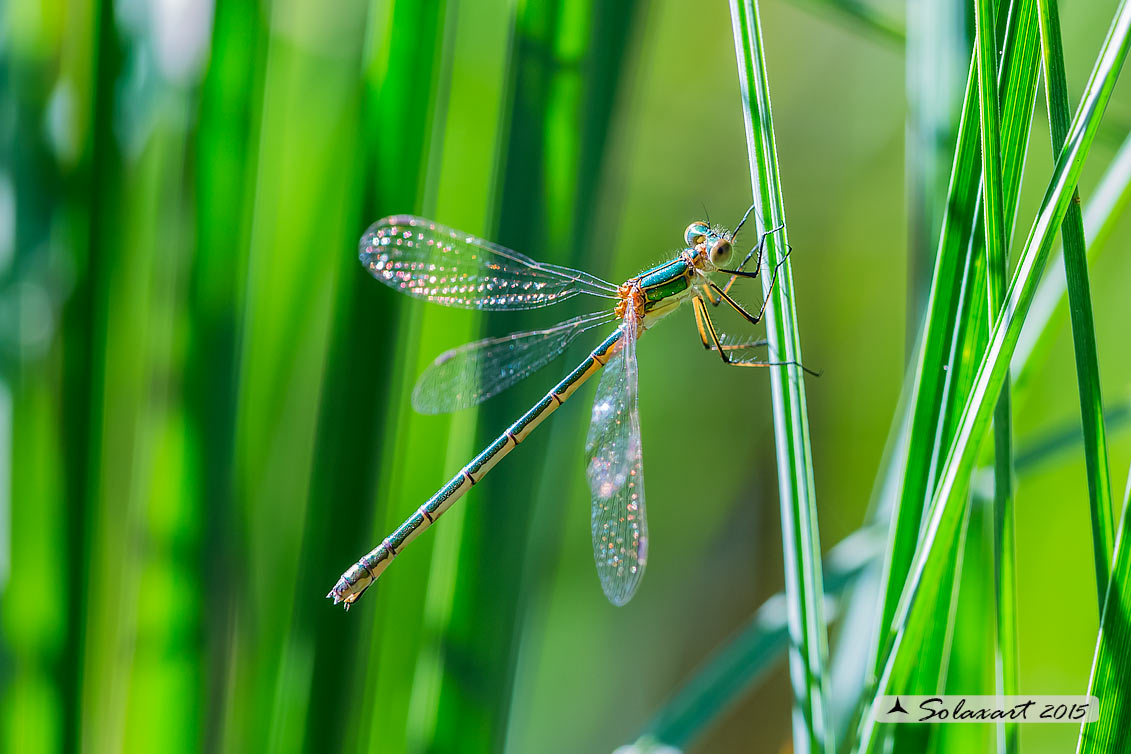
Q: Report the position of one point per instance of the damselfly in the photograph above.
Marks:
(429, 261)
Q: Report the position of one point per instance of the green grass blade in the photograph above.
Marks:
(1105, 207)
(1017, 92)
(740, 664)
(937, 61)
(407, 68)
(990, 122)
(1005, 591)
(288, 309)
(1020, 292)
(954, 325)
(387, 177)
(231, 96)
(971, 666)
(801, 546)
(556, 122)
(95, 36)
(733, 669)
(44, 434)
(127, 688)
(1112, 664)
(1067, 438)
(948, 504)
(1005, 573)
(1080, 307)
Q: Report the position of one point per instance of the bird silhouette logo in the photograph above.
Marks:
(897, 707)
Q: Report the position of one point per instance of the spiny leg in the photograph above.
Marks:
(710, 336)
(739, 271)
(737, 306)
(752, 319)
(707, 330)
(742, 222)
(697, 306)
(705, 326)
(712, 299)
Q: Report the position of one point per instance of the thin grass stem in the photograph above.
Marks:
(994, 216)
(1080, 308)
(800, 541)
(1111, 665)
(1105, 207)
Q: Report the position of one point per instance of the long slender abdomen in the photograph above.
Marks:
(363, 573)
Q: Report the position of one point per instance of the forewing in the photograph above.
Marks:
(616, 475)
(430, 261)
(474, 372)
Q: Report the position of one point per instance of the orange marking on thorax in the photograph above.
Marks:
(632, 290)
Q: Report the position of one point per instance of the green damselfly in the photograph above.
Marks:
(432, 262)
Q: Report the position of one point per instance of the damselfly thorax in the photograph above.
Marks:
(430, 261)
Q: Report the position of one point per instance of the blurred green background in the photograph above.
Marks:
(204, 412)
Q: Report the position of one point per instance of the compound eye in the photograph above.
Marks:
(696, 233)
(720, 250)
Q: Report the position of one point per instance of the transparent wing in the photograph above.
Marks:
(474, 372)
(436, 263)
(616, 474)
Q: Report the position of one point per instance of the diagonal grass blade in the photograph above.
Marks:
(800, 542)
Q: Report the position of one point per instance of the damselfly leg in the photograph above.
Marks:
(724, 296)
(739, 271)
(709, 336)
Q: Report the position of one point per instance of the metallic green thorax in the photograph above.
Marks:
(665, 280)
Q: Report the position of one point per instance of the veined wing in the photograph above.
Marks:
(474, 372)
(616, 474)
(436, 263)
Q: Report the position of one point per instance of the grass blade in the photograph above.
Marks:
(289, 300)
(991, 373)
(231, 97)
(1068, 438)
(741, 663)
(410, 66)
(1080, 307)
(937, 58)
(1005, 591)
(80, 415)
(956, 327)
(556, 119)
(990, 122)
(1104, 208)
(943, 372)
(1112, 664)
(800, 543)
(970, 664)
(736, 667)
(948, 504)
